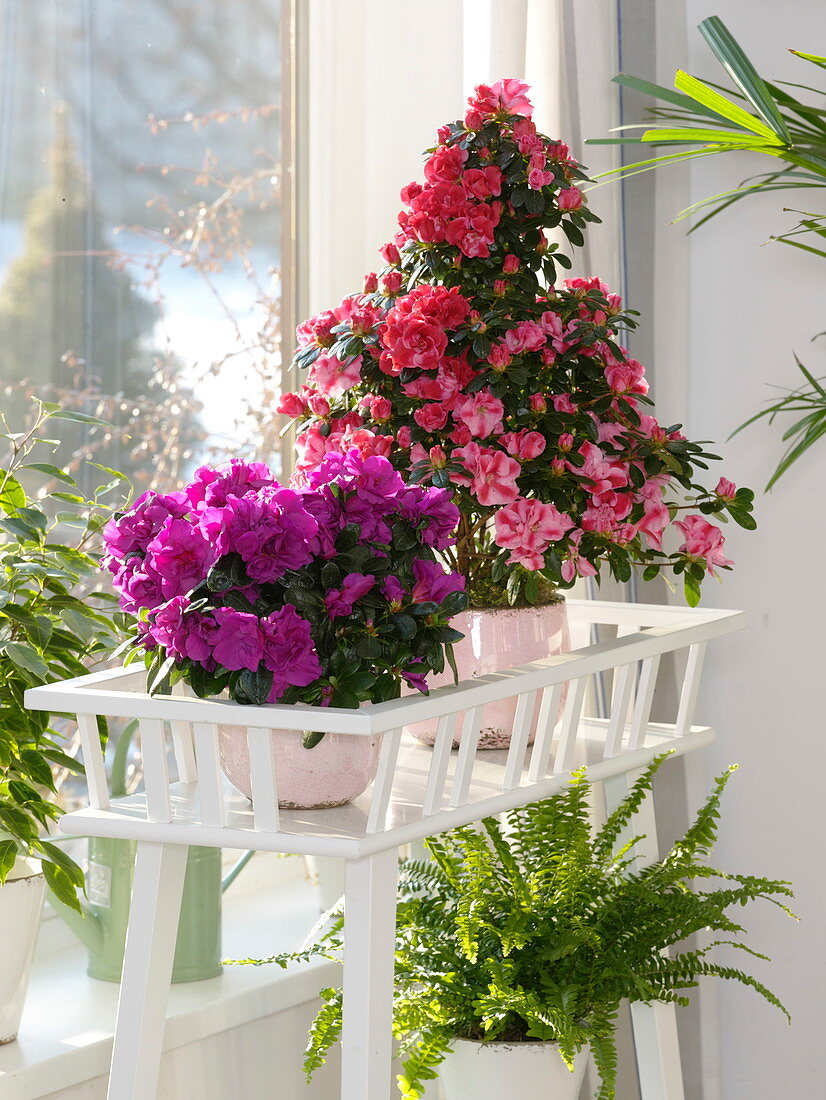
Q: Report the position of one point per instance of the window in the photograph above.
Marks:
(143, 207)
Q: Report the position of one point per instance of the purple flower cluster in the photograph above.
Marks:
(236, 575)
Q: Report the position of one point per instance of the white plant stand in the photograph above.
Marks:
(418, 792)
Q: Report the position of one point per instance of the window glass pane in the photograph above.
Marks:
(140, 202)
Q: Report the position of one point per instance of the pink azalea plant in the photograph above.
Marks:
(330, 594)
(468, 365)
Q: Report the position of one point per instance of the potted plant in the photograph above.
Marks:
(517, 943)
(757, 116)
(51, 625)
(328, 595)
(470, 366)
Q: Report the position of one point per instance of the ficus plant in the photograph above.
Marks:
(698, 118)
(54, 622)
(534, 927)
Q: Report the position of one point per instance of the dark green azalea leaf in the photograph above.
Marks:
(253, 688)
(369, 647)
(405, 626)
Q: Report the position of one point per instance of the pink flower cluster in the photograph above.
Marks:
(465, 369)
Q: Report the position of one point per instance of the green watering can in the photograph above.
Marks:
(102, 927)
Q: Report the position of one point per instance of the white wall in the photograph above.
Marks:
(749, 307)
(261, 1060)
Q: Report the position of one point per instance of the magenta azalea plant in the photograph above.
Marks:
(328, 595)
(468, 365)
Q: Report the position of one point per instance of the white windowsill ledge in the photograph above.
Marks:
(66, 1035)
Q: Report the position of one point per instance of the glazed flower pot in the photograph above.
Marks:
(530, 1071)
(497, 639)
(332, 773)
(21, 903)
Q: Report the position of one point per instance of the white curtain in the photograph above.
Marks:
(567, 51)
(383, 75)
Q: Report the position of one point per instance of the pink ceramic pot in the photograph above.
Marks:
(337, 770)
(497, 639)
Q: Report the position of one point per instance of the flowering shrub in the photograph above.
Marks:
(330, 594)
(468, 366)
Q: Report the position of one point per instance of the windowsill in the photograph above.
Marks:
(66, 1034)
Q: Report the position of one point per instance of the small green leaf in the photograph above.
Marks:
(61, 885)
(26, 657)
(8, 855)
(451, 660)
(22, 531)
(35, 517)
(56, 855)
(37, 767)
(12, 495)
(816, 59)
(157, 682)
(50, 471)
(62, 760)
(116, 474)
(79, 417)
(691, 589)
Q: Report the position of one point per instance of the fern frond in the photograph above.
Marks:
(421, 876)
(620, 818)
(287, 958)
(604, 1051)
(420, 1065)
(450, 867)
(508, 863)
(324, 1031)
(702, 833)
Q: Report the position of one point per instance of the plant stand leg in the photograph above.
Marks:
(656, 1040)
(369, 957)
(147, 969)
(658, 1051)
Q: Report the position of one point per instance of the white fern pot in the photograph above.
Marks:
(21, 903)
(495, 639)
(491, 1071)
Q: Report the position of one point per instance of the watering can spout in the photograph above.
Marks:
(85, 925)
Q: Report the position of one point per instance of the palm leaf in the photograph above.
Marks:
(731, 56)
(703, 94)
(684, 134)
(792, 455)
(816, 59)
(657, 91)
